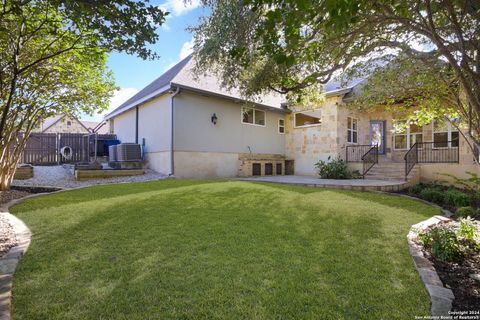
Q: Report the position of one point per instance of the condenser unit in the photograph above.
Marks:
(128, 152)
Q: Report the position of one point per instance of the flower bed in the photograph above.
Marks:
(454, 249)
(463, 202)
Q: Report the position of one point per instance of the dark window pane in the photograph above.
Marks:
(455, 139)
(400, 142)
(354, 140)
(248, 115)
(440, 140)
(260, 117)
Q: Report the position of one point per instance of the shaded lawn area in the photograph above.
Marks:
(218, 250)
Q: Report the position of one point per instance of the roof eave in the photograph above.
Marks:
(218, 95)
(338, 92)
(153, 95)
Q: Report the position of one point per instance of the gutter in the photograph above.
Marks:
(172, 118)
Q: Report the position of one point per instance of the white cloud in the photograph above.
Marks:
(119, 97)
(180, 7)
(186, 49)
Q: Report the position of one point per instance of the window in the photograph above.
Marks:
(352, 133)
(445, 135)
(253, 116)
(407, 135)
(69, 123)
(281, 126)
(308, 118)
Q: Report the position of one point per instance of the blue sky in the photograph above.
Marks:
(132, 73)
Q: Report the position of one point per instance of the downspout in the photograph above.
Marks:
(172, 120)
(136, 124)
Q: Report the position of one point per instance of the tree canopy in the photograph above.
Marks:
(53, 57)
(289, 46)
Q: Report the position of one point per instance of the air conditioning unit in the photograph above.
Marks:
(128, 152)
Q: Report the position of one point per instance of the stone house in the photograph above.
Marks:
(64, 123)
(191, 127)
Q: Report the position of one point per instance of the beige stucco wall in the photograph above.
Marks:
(194, 130)
(202, 165)
(307, 145)
(124, 126)
(154, 124)
(158, 161)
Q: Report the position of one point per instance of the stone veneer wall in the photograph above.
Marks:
(307, 145)
(246, 160)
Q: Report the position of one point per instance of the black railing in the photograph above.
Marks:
(369, 159)
(411, 159)
(356, 152)
(431, 152)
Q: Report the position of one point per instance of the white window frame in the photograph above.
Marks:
(350, 131)
(254, 110)
(450, 129)
(281, 126)
(307, 125)
(408, 133)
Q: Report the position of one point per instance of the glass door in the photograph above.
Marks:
(377, 135)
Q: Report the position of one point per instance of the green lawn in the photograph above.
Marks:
(218, 250)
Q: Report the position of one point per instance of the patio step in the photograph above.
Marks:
(390, 171)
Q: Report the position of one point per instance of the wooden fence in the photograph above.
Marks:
(44, 148)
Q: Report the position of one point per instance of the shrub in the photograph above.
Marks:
(432, 195)
(467, 230)
(416, 189)
(333, 169)
(464, 212)
(443, 243)
(456, 198)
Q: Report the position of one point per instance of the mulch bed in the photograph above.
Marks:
(7, 196)
(457, 276)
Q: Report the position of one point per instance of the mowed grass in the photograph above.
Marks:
(177, 249)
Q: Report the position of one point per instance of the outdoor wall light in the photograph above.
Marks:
(214, 119)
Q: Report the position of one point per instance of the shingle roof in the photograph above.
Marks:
(162, 81)
(181, 75)
(211, 84)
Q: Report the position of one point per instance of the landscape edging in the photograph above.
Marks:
(9, 262)
(441, 298)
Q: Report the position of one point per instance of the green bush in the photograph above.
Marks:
(467, 230)
(432, 195)
(416, 189)
(456, 198)
(333, 169)
(443, 243)
(464, 212)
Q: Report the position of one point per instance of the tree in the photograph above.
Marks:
(289, 46)
(53, 59)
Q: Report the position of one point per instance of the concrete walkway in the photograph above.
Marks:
(351, 184)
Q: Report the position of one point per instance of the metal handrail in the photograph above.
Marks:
(369, 159)
(411, 159)
(355, 152)
(431, 152)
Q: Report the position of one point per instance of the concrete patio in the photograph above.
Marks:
(351, 184)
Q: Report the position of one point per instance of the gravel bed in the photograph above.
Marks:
(7, 236)
(62, 177)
